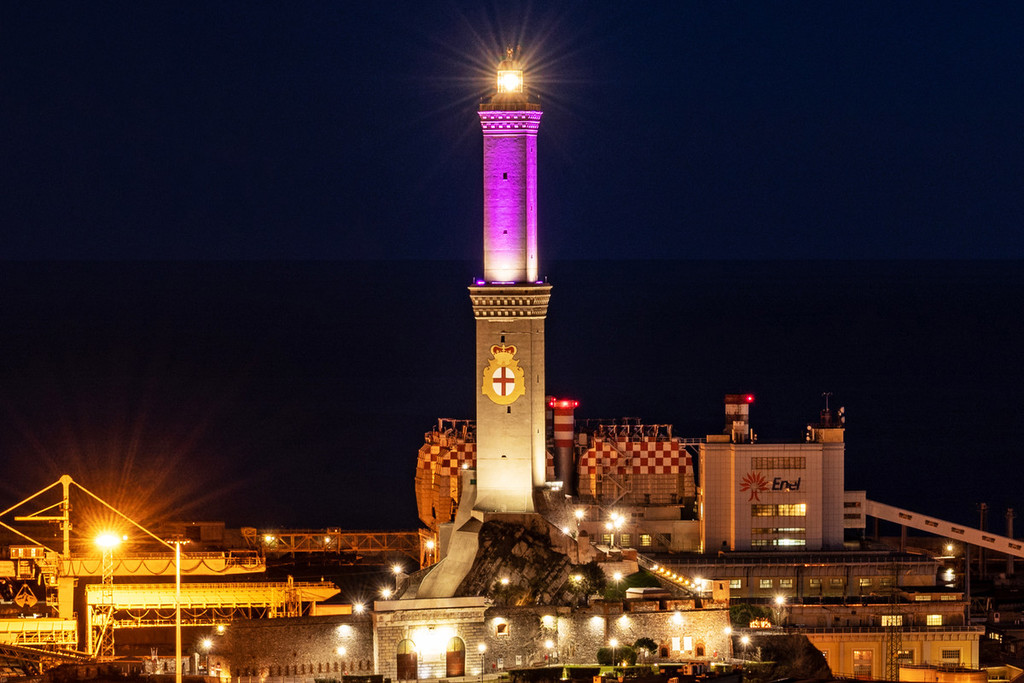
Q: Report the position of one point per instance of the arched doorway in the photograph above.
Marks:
(407, 664)
(455, 658)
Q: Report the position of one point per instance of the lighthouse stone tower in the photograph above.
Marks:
(510, 304)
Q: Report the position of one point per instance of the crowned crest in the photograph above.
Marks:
(503, 380)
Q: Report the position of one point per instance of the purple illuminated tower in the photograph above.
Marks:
(510, 304)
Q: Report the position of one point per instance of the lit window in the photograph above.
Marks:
(835, 582)
(765, 583)
(864, 582)
(934, 620)
(501, 629)
(892, 620)
(625, 540)
(785, 583)
(606, 539)
(793, 510)
(735, 583)
(951, 655)
(645, 540)
(814, 582)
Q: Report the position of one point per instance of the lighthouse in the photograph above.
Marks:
(510, 303)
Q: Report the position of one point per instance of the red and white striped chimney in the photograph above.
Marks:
(563, 430)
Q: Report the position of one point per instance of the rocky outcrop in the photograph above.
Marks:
(536, 572)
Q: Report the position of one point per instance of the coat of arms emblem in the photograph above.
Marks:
(503, 379)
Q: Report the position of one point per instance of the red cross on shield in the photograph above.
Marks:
(503, 381)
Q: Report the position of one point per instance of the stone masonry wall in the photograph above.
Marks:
(538, 635)
(299, 649)
(304, 649)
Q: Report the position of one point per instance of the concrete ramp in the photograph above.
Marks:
(446, 576)
(933, 525)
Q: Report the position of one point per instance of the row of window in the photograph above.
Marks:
(626, 540)
(815, 582)
(897, 620)
(778, 463)
(778, 543)
(775, 530)
(778, 510)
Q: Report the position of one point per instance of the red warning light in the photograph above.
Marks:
(564, 404)
(749, 398)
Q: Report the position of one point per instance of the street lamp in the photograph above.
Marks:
(482, 648)
(745, 641)
(780, 609)
(177, 543)
(207, 645)
(614, 642)
(104, 648)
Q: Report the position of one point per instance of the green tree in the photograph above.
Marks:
(646, 645)
(587, 579)
(743, 613)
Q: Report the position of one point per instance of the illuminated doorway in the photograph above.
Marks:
(455, 658)
(407, 664)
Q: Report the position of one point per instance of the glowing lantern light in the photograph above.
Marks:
(510, 81)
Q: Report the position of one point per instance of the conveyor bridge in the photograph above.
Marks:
(375, 545)
(934, 525)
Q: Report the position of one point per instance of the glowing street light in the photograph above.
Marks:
(108, 541)
(780, 609)
(614, 642)
(385, 593)
(482, 649)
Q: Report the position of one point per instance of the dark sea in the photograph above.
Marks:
(296, 394)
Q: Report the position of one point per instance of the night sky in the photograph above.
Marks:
(237, 236)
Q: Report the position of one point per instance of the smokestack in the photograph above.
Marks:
(563, 428)
(737, 416)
